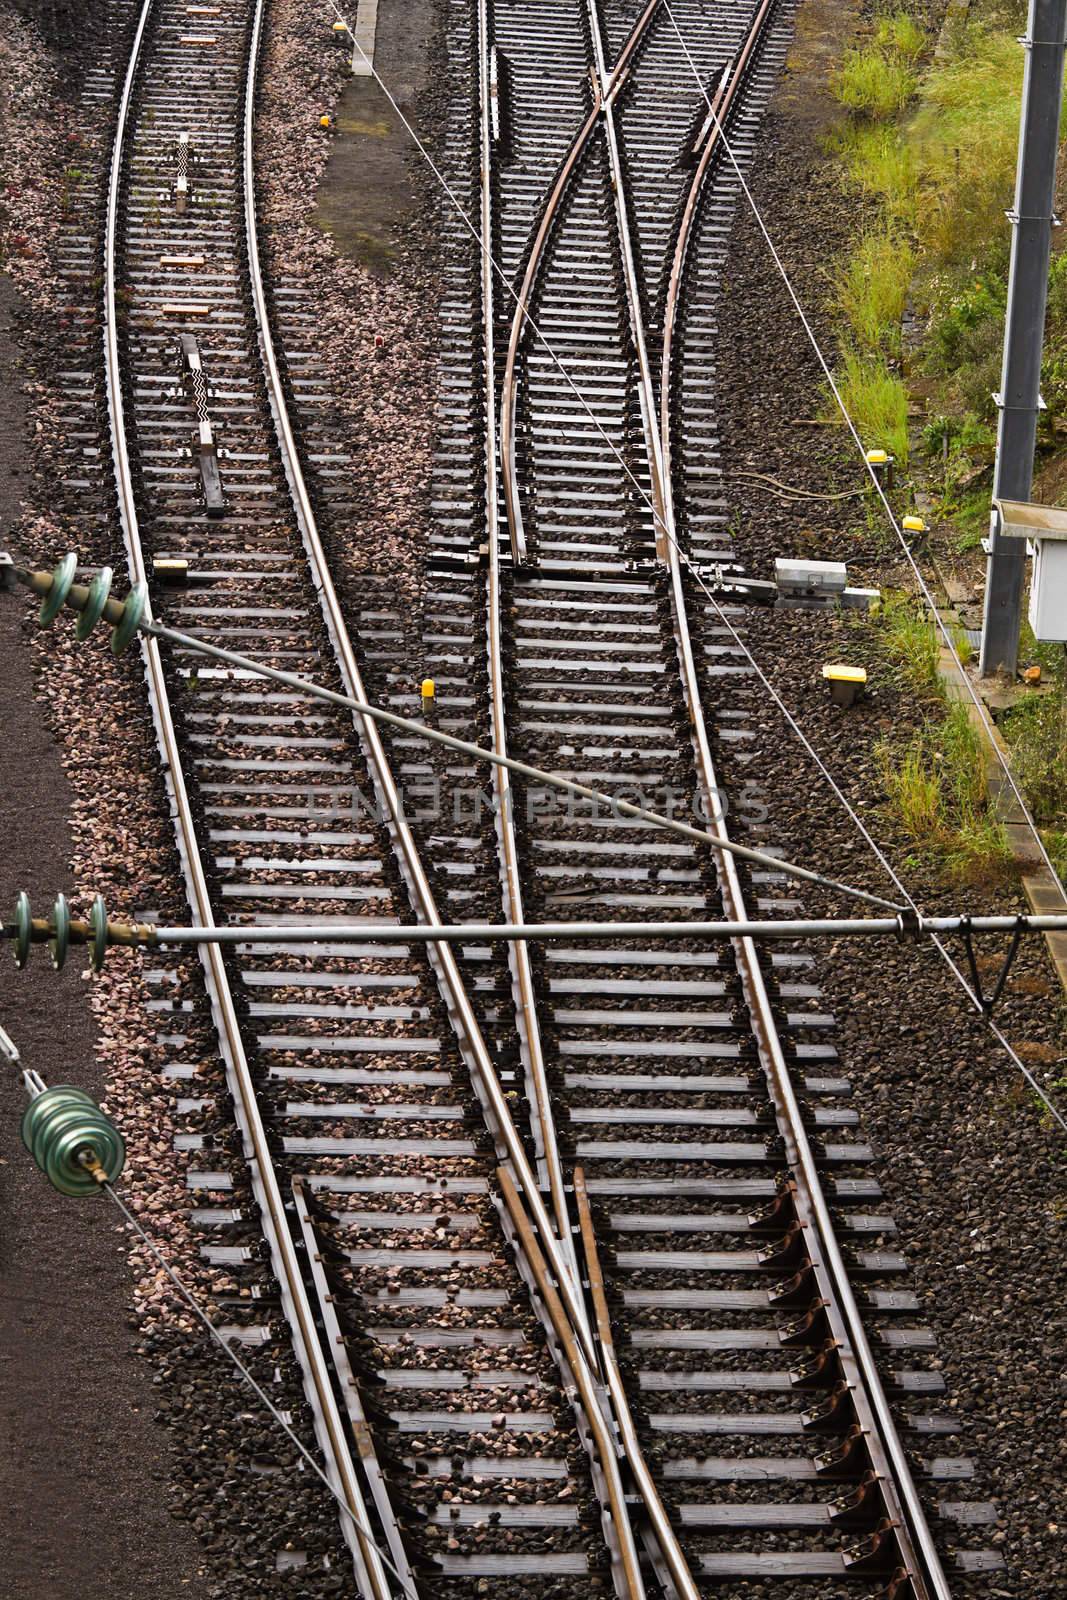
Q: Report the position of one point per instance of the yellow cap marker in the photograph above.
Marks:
(429, 693)
(913, 524)
(324, 122)
(877, 458)
(845, 682)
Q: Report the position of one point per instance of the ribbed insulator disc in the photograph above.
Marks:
(61, 1123)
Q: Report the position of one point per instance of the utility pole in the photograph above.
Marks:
(1019, 399)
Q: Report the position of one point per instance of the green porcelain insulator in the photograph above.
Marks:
(63, 1124)
(62, 578)
(99, 590)
(126, 629)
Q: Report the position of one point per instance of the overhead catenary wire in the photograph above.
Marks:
(791, 720)
(76, 597)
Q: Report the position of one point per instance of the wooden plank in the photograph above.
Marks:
(514, 1565)
(458, 1515)
(726, 1422)
(969, 1513)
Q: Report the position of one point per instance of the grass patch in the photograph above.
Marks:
(879, 164)
(874, 288)
(874, 82)
(911, 641)
(935, 786)
(876, 400)
(899, 35)
(965, 138)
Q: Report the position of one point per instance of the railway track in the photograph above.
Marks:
(574, 1247)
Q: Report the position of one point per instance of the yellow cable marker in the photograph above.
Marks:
(846, 683)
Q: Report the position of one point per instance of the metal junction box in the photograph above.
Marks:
(810, 578)
(1045, 530)
(1048, 591)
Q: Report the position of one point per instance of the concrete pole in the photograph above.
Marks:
(1019, 399)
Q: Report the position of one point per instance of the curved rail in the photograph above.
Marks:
(665, 1548)
(576, 1344)
(522, 980)
(509, 389)
(371, 1572)
(442, 958)
(915, 1542)
(605, 87)
(709, 143)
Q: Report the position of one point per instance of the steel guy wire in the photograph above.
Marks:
(813, 340)
(683, 555)
(942, 626)
(363, 1532)
(554, 358)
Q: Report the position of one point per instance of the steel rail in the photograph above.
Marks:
(611, 84)
(351, 1396)
(618, 1531)
(453, 989)
(664, 1547)
(897, 1486)
(371, 1573)
(665, 1554)
(605, 85)
(722, 104)
(509, 388)
(550, 1167)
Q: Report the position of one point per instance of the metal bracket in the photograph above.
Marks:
(987, 1002)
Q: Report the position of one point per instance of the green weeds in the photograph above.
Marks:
(874, 288)
(876, 400)
(874, 83)
(911, 641)
(936, 790)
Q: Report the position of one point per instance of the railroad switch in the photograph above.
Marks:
(846, 684)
